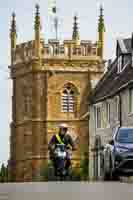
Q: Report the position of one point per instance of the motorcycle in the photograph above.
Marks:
(61, 152)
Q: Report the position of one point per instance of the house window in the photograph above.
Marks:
(68, 100)
(131, 100)
(119, 64)
(98, 117)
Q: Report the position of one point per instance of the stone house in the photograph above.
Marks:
(111, 102)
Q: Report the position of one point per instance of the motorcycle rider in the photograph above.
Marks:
(61, 138)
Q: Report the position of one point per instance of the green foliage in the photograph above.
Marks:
(84, 168)
(11, 178)
(44, 173)
(75, 175)
(3, 174)
(84, 163)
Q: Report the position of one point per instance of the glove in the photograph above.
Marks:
(74, 148)
(68, 147)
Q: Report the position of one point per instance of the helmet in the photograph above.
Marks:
(63, 126)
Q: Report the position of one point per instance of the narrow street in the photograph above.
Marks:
(67, 191)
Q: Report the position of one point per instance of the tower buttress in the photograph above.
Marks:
(101, 30)
(37, 28)
(75, 35)
(13, 36)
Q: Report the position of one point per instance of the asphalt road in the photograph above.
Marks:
(66, 191)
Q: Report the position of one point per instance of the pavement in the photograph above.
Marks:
(67, 191)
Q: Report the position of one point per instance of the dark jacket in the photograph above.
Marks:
(67, 140)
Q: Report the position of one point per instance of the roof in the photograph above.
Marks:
(113, 82)
(127, 43)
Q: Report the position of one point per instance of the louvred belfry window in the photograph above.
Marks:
(68, 100)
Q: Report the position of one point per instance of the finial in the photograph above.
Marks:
(75, 35)
(13, 36)
(37, 17)
(13, 15)
(101, 30)
(37, 27)
(101, 26)
(101, 10)
(37, 9)
(13, 23)
(75, 18)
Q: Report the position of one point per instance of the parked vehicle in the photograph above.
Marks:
(118, 155)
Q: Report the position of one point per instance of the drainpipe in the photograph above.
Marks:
(120, 110)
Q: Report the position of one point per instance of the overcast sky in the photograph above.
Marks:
(118, 21)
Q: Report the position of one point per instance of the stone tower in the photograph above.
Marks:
(51, 82)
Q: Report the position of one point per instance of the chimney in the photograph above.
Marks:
(109, 62)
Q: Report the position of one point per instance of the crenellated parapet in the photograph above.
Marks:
(26, 52)
(70, 48)
(39, 49)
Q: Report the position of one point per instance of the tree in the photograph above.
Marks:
(3, 173)
(45, 171)
(84, 172)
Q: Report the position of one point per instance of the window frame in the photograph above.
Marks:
(117, 107)
(69, 102)
(108, 112)
(96, 116)
(119, 64)
(130, 100)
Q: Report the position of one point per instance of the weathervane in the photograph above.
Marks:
(53, 14)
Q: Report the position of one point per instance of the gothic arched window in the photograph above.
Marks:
(68, 100)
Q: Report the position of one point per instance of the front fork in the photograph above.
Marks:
(61, 164)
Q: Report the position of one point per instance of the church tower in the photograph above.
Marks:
(51, 83)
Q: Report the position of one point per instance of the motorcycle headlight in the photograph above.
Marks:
(121, 150)
(61, 154)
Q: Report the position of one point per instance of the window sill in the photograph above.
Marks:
(100, 129)
(108, 126)
(130, 114)
(117, 122)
